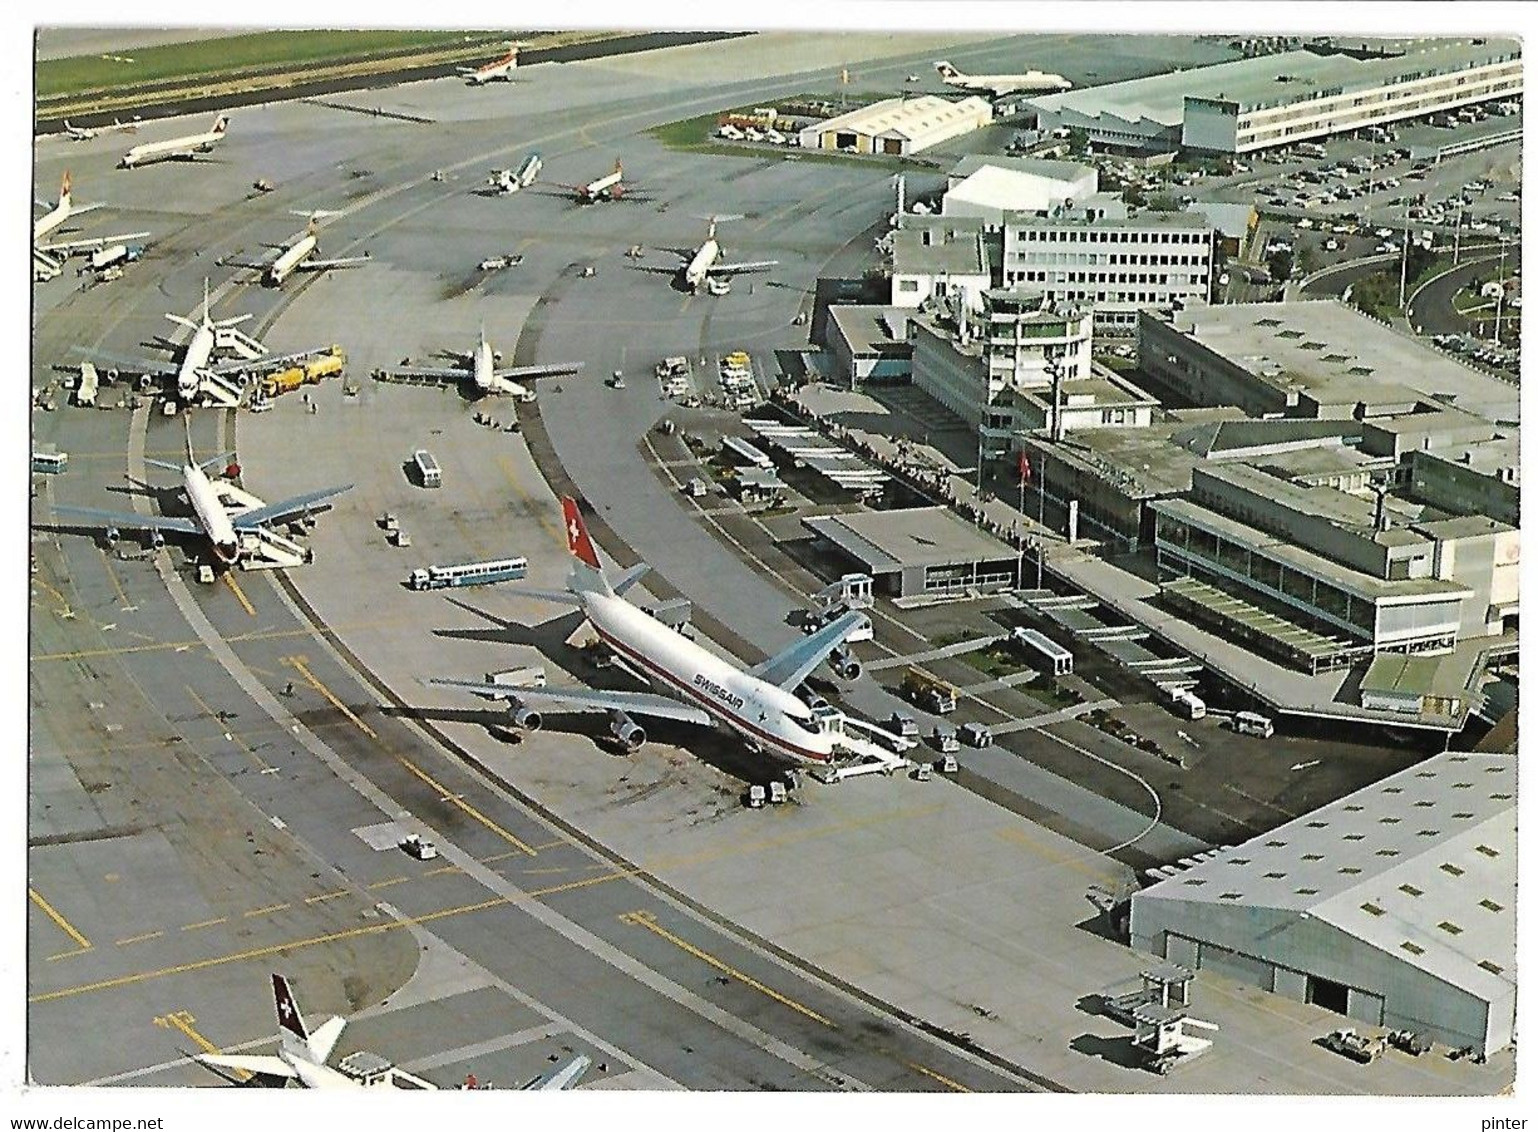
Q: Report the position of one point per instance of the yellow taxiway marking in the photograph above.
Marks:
(388, 883)
(64, 925)
(325, 896)
(298, 664)
(67, 954)
(329, 937)
(138, 938)
(537, 509)
(245, 603)
(182, 1020)
(649, 922)
(261, 763)
(117, 585)
(546, 845)
(64, 606)
(204, 924)
(940, 1077)
(264, 911)
(1057, 858)
(456, 800)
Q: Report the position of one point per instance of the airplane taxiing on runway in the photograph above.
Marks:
(497, 70)
(702, 264)
(180, 148)
(298, 255)
(694, 685)
(1000, 85)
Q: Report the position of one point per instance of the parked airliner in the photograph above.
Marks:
(480, 366)
(300, 255)
(498, 69)
(703, 263)
(694, 685)
(1000, 85)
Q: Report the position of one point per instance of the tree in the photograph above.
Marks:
(1279, 263)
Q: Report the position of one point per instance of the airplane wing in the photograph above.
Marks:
(562, 1078)
(551, 369)
(249, 1063)
(586, 699)
(277, 512)
(92, 242)
(790, 666)
(735, 268)
(441, 373)
(133, 522)
(327, 264)
(124, 361)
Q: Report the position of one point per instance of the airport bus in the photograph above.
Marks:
(427, 468)
(51, 462)
(469, 574)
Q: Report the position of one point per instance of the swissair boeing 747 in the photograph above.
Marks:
(694, 685)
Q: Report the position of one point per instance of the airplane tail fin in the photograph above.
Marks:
(64, 190)
(291, 1028)
(946, 70)
(221, 123)
(587, 573)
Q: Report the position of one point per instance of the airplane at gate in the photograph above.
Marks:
(181, 148)
(694, 685)
(480, 366)
(498, 69)
(703, 264)
(221, 512)
(48, 257)
(1000, 85)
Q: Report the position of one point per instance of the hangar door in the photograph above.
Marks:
(892, 145)
(1240, 968)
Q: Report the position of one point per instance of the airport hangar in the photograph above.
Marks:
(1275, 100)
(899, 126)
(918, 551)
(1395, 905)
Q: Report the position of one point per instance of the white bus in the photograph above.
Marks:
(1055, 654)
(50, 462)
(427, 468)
(468, 574)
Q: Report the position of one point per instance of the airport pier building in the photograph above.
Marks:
(1394, 906)
(1275, 100)
(918, 551)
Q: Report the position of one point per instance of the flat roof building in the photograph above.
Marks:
(919, 550)
(899, 126)
(1394, 906)
(1117, 265)
(869, 343)
(1275, 100)
(939, 258)
(1000, 185)
(1316, 358)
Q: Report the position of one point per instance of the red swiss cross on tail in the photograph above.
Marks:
(576, 534)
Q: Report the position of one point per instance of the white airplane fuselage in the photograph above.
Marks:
(176, 147)
(503, 68)
(604, 186)
(762, 713)
(1000, 85)
(287, 263)
(211, 515)
(50, 220)
(698, 268)
(199, 349)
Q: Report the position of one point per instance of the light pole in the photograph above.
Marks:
(1500, 279)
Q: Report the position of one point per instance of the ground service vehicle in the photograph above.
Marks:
(50, 462)
(929, 692)
(1252, 723)
(327, 364)
(468, 574)
(428, 472)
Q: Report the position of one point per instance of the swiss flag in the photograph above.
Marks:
(1025, 468)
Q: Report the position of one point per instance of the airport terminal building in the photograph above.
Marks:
(1394, 906)
(1275, 100)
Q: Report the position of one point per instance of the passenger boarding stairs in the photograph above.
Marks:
(224, 391)
(44, 266)
(859, 747)
(265, 549)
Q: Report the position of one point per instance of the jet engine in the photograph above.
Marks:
(626, 730)
(810, 698)
(525, 717)
(844, 664)
(157, 539)
(113, 534)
